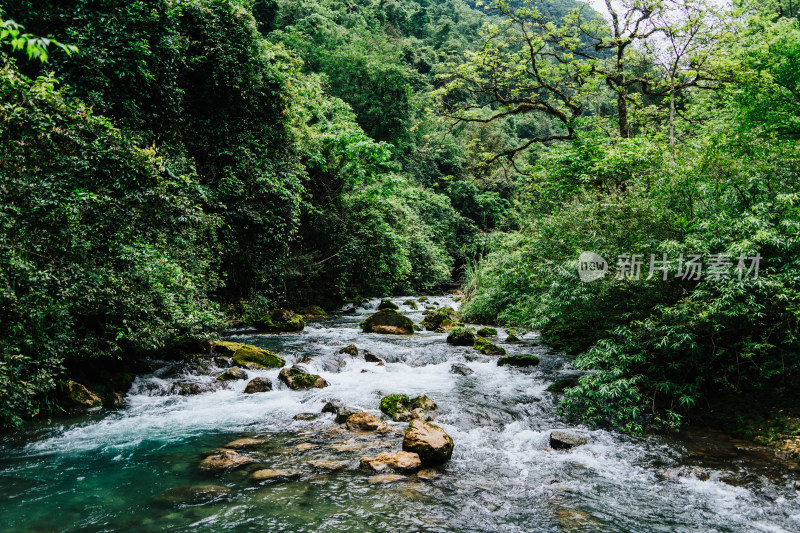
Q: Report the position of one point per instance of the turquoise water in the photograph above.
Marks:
(109, 470)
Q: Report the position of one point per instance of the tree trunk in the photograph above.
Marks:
(672, 118)
(622, 112)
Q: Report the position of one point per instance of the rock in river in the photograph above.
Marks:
(295, 378)
(79, 396)
(278, 321)
(367, 422)
(223, 460)
(401, 408)
(560, 440)
(461, 337)
(461, 369)
(388, 321)
(430, 442)
(402, 462)
(233, 374)
(243, 354)
(518, 360)
(486, 347)
(258, 385)
(193, 495)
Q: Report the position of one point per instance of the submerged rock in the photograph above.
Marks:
(186, 388)
(367, 422)
(461, 369)
(562, 384)
(518, 360)
(222, 460)
(328, 464)
(350, 349)
(561, 440)
(486, 347)
(247, 442)
(258, 385)
(386, 478)
(193, 495)
(244, 354)
(402, 462)
(297, 378)
(371, 357)
(269, 474)
(401, 408)
(390, 322)
(487, 332)
(76, 395)
(461, 337)
(233, 374)
(305, 417)
(279, 320)
(387, 304)
(430, 442)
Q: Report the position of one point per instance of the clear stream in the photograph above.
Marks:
(107, 470)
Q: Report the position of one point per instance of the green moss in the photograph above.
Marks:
(391, 403)
(279, 320)
(246, 353)
(487, 332)
(387, 304)
(461, 337)
(518, 360)
(486, 347)
(434, 319)
(388, 317)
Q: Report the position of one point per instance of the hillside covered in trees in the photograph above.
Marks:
(169, 169)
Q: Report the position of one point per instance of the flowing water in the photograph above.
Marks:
(108, 470)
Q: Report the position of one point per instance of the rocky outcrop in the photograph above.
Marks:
(233, 374)
(461, 369)
(244, 355)
(401, 408)
(486, 347)
(223, 460)
(297, 378)
(461, 337)
(367, 422)
(518, 360)
(390, 322)
(258, 385)
(387, 304)
(561, 440)
(76, 395)
(430, 442)
(372, 357)
(279, 320)
(400, 462)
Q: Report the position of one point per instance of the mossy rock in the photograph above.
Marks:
(388, 321)
(447, 326)
(486, 347)
(297, 379)
(412, 304)
(417, 327)
(487, 332)
(402, 408)
(562, 384)
(518, 360)
(233, 374)
(387, 304)
(242, 354)
(313, 311)
(76, 395)
(434, 320)
(461, 337)
(350, 349)
(279, 320)
(422, 299)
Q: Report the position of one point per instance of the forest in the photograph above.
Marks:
(172, 169)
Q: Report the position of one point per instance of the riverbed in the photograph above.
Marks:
(108, 470)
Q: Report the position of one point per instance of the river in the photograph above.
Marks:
(108, 470)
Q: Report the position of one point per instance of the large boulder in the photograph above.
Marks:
(430, 442)
(350, 349)
(401, 408)
(279, 320)
(76, 395)
(402, 462)
(390, 322)
(518, 360)
(367, 422)
(461, 369)
(258, 385)
(486, 347)
(298, 379)
(487, 332)
(248, 355)
(461, 337)
(561, 440)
